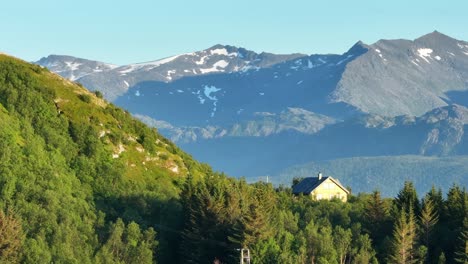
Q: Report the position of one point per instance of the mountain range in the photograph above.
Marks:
(256, 114)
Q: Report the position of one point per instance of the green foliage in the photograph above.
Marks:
(127, 244)
(11, 237)
(85, 98)
(404, 239)
(428, 219)
(407, 199)
(98, 94)
(90, 184)
(58, 173)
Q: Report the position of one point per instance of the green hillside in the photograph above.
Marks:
(71, 164)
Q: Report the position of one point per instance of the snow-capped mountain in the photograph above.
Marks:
(398, 77)
(74, 68)
(270, 111)
(114, 81)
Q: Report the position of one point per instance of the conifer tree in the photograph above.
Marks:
(412, 235)
(376, 214)
(428, 220)
(407, 199)
(456, 211)
(403, 240)
(437, 200)
(461, 255)
(442, 259)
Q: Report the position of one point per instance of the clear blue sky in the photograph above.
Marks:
(141, 30)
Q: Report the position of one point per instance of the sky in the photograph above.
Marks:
(124, 32)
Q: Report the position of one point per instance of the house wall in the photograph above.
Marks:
(329, 190)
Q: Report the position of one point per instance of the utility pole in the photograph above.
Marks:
(245, 256)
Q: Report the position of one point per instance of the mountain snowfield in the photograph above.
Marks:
(253, 114)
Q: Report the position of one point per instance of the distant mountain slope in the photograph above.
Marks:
(390, 77)
(74, 68)
(439, 133)
(114, 80)
(399, 77)
(268, 112)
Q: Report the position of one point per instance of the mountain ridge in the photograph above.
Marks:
(393, 97)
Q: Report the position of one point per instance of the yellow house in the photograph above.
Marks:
(321, 188)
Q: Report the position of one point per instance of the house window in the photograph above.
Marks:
(319, 196)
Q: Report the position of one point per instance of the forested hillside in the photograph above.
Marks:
(81, 181)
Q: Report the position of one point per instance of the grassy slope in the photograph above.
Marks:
(117, 129)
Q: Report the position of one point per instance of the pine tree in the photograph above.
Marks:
(412, 235)
(461, 255)
(407, 199)
(428, 220)
(437, 200)
(376, 214)
(403, 239)
(456, 211)
(442, 259)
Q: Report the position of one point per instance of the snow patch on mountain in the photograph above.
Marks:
(219, 52)
(221, 64)
(157, 62)
(170, 73)
(217, 67)
(208, 91)
(345, 59)
(424, 53)
(73, 66)
(201, 61)
(147, 65)
(380, 54)
(200, 97)
(249, 68)
(224, 52)
(415, 63)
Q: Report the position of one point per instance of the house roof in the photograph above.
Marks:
(307, 185)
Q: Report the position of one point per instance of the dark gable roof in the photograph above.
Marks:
(307, 185)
